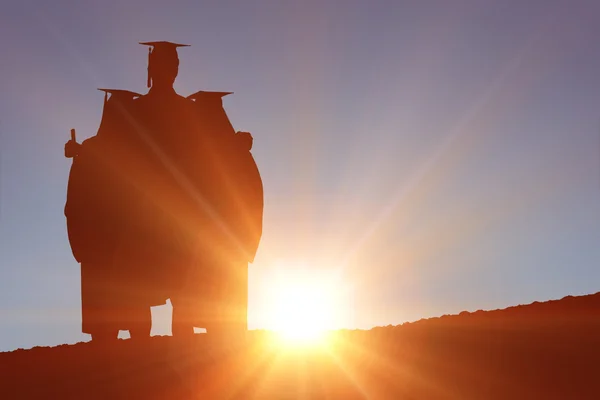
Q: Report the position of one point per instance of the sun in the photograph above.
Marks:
(301, 306)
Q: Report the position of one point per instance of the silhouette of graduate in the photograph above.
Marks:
(165, 201)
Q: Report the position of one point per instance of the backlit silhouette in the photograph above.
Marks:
(165, 201)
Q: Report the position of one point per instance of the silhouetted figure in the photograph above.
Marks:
(165, 201)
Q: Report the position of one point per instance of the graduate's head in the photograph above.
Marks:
(163, 63)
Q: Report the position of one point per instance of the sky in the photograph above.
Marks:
(427, 156)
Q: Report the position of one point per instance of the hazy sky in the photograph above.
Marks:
(435, 156)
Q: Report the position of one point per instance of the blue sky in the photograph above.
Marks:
(436, 156)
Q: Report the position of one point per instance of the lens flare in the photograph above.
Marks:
(301, 307)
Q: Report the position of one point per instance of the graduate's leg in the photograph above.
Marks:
(182, 324)
(96, 305)
(141, 323)
(231, 302)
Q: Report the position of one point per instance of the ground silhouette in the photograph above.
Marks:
(548, 350)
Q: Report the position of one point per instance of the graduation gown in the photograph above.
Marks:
(164, 201)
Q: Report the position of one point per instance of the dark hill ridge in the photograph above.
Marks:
(548, 350)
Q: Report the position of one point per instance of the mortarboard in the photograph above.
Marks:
(203, 95)
(124, 94)
(120, 92)
(166, 51)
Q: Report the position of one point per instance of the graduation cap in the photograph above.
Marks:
(119, 93)
(162, 52)
(201, 95)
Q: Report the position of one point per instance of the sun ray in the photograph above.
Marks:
(260, 356)
(460, 130)
(398, 370)
(354, 378)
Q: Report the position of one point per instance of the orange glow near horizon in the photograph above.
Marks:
(302, 306)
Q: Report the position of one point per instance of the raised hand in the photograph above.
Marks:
(72, 147)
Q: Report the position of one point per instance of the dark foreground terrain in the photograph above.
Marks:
(545, 350)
